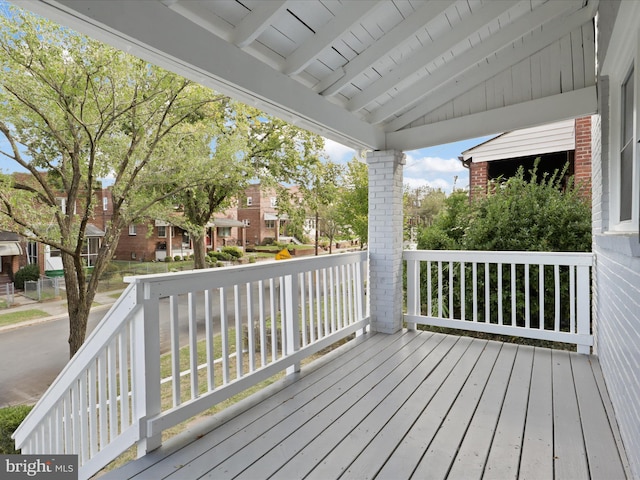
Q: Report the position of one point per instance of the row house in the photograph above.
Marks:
(557, 144)
(258, 210)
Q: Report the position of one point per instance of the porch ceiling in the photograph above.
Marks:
(376, 74)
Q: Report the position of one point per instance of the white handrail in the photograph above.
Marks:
(498, 292)
(109, 396)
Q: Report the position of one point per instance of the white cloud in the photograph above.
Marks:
(337, 152)
(419, 166)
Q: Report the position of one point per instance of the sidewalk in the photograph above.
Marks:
(55, 309)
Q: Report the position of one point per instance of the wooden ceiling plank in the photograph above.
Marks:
(260, 18)
(430, 53)
(333, 83)
(450, 86)
(307, 52)
(574, 104)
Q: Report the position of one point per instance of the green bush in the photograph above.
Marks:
(28, 272)
(233, 251)
(177, 258)
(168, 259)
(543, 214)
(10, 419)
(220, 256)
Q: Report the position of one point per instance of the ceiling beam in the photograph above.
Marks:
(140, 28)
(446, 91)
(200, 16)
(346, 17)
(256, 22)
(402, 32)
(574, 104)
(428, 54)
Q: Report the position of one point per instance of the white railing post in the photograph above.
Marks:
(292, 318)
(146, 371)
(413, 290)
(583, 311)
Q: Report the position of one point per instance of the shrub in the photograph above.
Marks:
(220, 256)
(10, 419)
(177, 258)
(28, 272)
(233, 251)
(168, 259)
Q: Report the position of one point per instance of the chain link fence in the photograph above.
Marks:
(45, 288)
(7, 295)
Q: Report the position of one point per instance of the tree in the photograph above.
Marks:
(422, 205)
(244, 145)
(75, 111)
(353, 204)
(318, 189)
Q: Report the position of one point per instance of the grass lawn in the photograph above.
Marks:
(22, 316)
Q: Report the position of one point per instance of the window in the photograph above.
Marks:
(249, 201)
(626, 150)
(32, 252)
(274, 202)
(247, 222)
(105, 203)
(132, 230)
(162, 231)
(90, 249)
(269, 224)
(621, 67)
(224, 231)
(62, 203)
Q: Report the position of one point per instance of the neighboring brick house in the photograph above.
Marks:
(11, 256)
(157, 239)
(555, 144)
(49, 259)
(258, 210)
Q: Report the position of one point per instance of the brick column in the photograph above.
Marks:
(582, 159)
(385, 239)
(478, 179)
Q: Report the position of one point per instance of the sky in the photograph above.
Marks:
(436, 167)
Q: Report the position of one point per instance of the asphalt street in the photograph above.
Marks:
(32, 356)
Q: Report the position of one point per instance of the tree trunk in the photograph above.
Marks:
(317, 231)
(75, 283)
(199, 249)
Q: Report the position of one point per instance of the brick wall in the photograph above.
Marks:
(582, 157)
(478, 178)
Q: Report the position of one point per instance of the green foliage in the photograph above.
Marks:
(75, 111)
(352, 209)
(29, 272)
(177, 258)
(537, 215)
(10, 420)
(168, 259)
(234, 252)
(517, 215)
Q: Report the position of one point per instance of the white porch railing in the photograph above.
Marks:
(269, 317)
(537, 295)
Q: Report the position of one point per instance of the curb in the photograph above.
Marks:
(49, 318)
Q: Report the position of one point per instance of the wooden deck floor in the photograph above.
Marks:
(410, 405)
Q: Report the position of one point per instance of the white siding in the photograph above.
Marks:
(555, 137)
(616, 294)
(617, 309)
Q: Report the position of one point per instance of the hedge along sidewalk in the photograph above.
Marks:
(51, 310)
